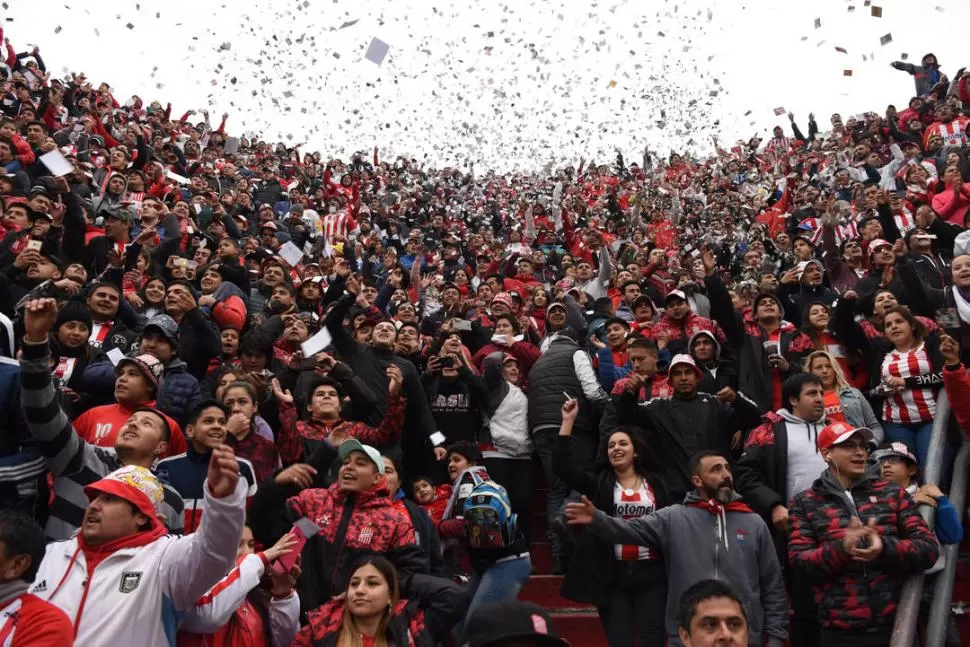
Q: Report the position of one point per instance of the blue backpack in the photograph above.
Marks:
(489, 521)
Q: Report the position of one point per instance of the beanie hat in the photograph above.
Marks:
(149, 365)
(73, 310)
(136, 485)
(504, 298)
(768, 295)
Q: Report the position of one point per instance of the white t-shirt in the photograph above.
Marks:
(633, 504)
(805, 462)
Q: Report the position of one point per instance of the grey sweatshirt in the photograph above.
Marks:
(698, 544)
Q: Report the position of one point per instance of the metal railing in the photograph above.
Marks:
(907, 613)
(939, 620)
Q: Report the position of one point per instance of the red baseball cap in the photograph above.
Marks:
(839, 432)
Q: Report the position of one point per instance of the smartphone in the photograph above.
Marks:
(771, 348)
(35, 244)
(181, 262)
(462, 324)
(303, 529)
(446, 362)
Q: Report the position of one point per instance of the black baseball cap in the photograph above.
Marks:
(500, 623)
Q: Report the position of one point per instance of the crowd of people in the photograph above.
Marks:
(257, 396)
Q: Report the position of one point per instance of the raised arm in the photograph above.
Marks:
(193, 564)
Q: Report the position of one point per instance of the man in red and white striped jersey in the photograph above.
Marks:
(338, 222)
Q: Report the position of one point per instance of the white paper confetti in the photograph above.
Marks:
(377, 51)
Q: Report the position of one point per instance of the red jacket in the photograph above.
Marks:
(293, 432)
(957, 385)
(24, 154)
(28, 621)
(852, 596)
(673, 331)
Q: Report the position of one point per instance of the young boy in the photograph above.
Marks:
(433, 500)
(897, 464)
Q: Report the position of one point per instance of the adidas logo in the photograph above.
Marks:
(40, 588)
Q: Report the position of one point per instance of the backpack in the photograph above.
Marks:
(489, 521)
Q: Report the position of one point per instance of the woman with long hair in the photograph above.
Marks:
(825, 328)
(628, 584)
(843, 402)
(911, 376)
(371, 613)
(152, 298)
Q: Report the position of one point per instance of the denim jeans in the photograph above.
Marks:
(584, 453)
(916, 436)
(502, 581)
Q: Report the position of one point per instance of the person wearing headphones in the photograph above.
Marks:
(858, 539)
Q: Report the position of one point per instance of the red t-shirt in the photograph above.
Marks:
(833, 407)
(100, 426)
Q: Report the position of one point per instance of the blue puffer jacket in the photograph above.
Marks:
(178, 392)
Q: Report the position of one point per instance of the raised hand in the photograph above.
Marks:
(298, 474)
(39, 318)
(395, 379)
(223, 472)
(580, 514)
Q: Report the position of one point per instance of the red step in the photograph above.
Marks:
(581, 629)
(541, 555)
(544, 591)
(577, 622)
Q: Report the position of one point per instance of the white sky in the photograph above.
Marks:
(440, 93)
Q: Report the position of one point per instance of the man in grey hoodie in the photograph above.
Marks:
(741, 554)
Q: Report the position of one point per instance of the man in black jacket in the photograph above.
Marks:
(370, 364)
(269, 190)
(117, 234)
(199, 341)
(689, 422)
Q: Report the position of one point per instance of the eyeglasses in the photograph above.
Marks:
(854, 446)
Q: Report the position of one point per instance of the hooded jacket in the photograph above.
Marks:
(853, 596)
(718, 374)
(352, 525)
(677, 428)
(703, 539)
(747, 340)
(761, 475)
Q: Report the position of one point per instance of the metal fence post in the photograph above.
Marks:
(907, 613)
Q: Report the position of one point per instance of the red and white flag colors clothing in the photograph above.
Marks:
(915, 404)
(337, 224)
(99, 332)
(634, 504)
(953, 133)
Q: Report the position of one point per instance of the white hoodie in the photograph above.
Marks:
(804, 460)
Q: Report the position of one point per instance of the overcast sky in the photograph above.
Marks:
(506, 85)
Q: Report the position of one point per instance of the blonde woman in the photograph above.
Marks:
(842, 402)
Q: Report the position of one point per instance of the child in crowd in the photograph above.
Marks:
(433, 499)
